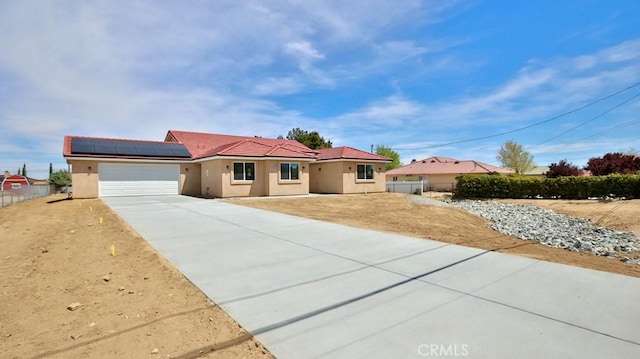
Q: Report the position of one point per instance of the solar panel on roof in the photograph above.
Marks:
(91, 146)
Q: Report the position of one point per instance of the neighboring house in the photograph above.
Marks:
(193, 163)
(14, 182)
(348, 170)
(440, 173)
(537, 171)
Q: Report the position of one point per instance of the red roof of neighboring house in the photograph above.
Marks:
(350, 153)
(7, 181)
(446, 165)
(202, 145)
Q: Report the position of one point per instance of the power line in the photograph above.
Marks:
(525, 127)
(590, 120)
(622, 125)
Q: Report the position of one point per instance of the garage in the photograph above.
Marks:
(117, 180)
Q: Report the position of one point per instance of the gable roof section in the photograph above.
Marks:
(77, 146)
(203, 145)
(349, 153)
(446, 165)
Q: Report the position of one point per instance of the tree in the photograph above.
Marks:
(613, 163)
(60, 178)
(388, 152)
(512, 155)
(563, 168)
(24, 170)
(50, 169)
(312, 139)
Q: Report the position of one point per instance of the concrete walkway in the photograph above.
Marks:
(311, 289)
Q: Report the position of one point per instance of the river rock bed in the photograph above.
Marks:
(553, 229)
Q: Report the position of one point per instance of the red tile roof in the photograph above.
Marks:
(446, 165)
(350, 153)
(202, 145)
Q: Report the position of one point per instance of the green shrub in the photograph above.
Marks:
(567, 187)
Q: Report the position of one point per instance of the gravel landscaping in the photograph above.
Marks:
(545, 226)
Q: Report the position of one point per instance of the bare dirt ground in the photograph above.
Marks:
(389, 212)
(132, 305)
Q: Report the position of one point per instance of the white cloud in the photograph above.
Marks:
(137, 69)
(303, 51)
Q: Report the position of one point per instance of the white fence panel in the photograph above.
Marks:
(412, 187)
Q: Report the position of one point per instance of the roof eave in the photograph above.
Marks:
(77, 157)
(253, 158)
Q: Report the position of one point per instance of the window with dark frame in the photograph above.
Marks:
(364, 172)
(289, 171)
(244, 171)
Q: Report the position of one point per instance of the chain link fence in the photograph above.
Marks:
(25, 193)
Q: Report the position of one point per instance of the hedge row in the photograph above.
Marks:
(572, 187)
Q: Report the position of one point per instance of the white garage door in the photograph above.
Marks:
(138, 180)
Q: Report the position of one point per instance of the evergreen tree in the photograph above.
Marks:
(312, 139)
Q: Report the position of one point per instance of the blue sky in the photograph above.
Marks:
(418, 76)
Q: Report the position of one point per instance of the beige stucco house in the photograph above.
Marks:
(347, 170)
(439, 173)
(212, 165)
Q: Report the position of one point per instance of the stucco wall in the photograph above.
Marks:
(190, 179)
(274, 186)
(217, 180)
(340, 177)
(84, 179)
(210, 179)
(326, 177)
(353, 185)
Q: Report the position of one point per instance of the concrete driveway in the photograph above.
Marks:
(311, 289)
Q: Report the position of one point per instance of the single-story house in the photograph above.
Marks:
(440, 173)
(347, 170)
(207, 165)
(9, 182)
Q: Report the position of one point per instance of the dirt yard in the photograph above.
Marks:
(394, 213)
(131, 305)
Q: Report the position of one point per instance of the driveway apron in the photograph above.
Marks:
(311, 289)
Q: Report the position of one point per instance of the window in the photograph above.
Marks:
(244, 171)
(395, 178)
(364, 172)
(289, 171)
(16, 186)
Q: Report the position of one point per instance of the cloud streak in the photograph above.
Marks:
(359, 73)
